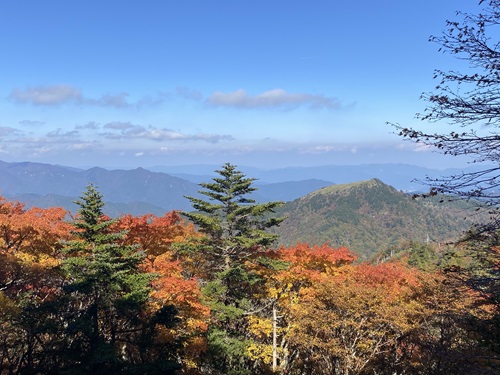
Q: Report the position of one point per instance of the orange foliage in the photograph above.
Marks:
(171, 288)
(308, 263)
(155, 234)
(30, 240)
(389, 273)
(317, 258)
(32, 232)
(343, 323)
(393, 277)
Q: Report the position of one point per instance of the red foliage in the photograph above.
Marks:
(155, 234)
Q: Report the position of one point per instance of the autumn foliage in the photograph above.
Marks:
(303, 309)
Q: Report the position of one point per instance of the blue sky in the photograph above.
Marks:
(123, 84)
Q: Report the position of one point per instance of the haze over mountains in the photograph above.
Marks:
(164, 187)
(400, 176)
(321, 207)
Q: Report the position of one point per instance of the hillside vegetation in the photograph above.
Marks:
(217, 295)
(369, 215)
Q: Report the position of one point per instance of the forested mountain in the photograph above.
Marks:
(369, 215)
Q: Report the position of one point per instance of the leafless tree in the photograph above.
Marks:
(468, 101)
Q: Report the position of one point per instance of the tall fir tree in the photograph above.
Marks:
(235, 229)
(235, 225)
(106, 287)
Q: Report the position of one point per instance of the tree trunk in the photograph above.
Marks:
(275, 353)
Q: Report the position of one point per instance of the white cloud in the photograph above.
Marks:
(47, 95)
(92, 125)
(60, 133)
(42, 150)
(415, 147)
(419, 147)
(188, 93)
(82, 146)
(332, 148)
(127, 130)
(108, 100)
(277, 98)
(324, 148)
(53, 95)
(119, 125)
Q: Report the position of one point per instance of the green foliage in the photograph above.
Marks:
(422, 256)
(229, 354)
(105, 286)
(370, 216)
(234, 224)
(235, 229)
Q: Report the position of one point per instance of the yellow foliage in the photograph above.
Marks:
(42, 260)
(260, 327)
(262, 352)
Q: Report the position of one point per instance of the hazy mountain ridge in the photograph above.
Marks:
(134, 187)
(369, 215)
(137, 191)
(402, 176)
(364, 215)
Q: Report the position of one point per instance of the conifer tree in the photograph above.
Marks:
(107, 289)
(235, 225)
(235, 228)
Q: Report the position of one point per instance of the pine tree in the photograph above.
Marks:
(107, 289)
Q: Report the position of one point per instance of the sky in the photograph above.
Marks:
(264, 83)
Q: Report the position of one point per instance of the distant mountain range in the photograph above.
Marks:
(368, 216)
(365, 216)
(137, 191)
(401, 176)
(140, 191)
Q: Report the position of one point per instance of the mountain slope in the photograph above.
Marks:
(367, 216)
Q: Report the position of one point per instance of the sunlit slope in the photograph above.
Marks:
(369, 215)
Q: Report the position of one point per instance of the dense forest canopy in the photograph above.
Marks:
(159, 295)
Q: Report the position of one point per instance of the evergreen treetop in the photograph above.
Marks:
(105, 284)
(234, 224)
